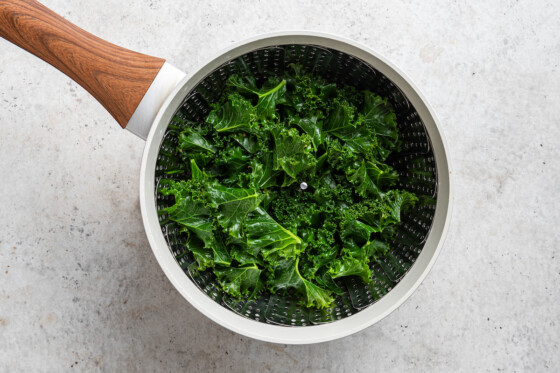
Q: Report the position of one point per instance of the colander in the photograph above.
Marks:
(422, 163)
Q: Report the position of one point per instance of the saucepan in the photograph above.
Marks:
(143, 93)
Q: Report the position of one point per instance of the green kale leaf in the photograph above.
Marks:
(241, 281)
(286, 276)
(285, 186)
(233, 116)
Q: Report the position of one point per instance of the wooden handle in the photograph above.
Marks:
(118, 78)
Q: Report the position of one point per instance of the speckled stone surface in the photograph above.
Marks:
(81, 290)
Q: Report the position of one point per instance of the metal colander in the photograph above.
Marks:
(415, 163)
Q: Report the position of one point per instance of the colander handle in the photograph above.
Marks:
(118, 78)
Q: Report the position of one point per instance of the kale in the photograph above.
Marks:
(286, 188)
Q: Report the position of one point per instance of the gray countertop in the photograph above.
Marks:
(81, 290)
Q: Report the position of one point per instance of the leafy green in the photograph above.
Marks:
(313, 127)
(233, 116)
(193, 140)
(270, 95)
(379, 117)
(341, 117)
(350, 267)
(233, 205)
(263, 176)
(270, 237)
(240, 281)
(241, 203)
(286, 276)
(189, 214)
(293, 152)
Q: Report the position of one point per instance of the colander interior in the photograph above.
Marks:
(415, 164)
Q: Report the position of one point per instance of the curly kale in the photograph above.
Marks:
(285, 186)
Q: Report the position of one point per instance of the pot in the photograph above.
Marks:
(143, 93)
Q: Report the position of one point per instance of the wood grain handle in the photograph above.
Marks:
(118, 78)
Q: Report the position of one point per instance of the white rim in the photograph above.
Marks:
(307, 334)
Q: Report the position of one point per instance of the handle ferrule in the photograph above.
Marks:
(144, 115)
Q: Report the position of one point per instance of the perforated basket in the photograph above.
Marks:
(415, 164)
